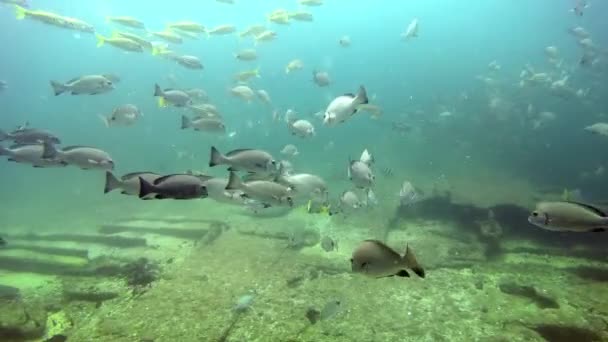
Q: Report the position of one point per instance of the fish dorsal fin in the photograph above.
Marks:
(237, 151)
(351, 95)
(384, 247)
(136, 174)
(164, 178)
(74, 147)
(592, 208)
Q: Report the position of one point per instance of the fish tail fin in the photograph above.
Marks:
(216, 158)
(362, 96)
(234, 182)
(3, 135)
(112, 183)
(162, 103)
(58, 88)
(157, 90)
(49, 151)
(4, 151)
(105, 120)
(145, 188)
(100, 40)
(20, 12)
(409, 260)
(155, 50)
(186, 122)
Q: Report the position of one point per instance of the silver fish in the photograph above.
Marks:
(84, 157)
(375, 259)
(87, 85)
(244, 159)
(266, 192)
(569, 216)
(177, 98)
(29, 154)
(204, 125)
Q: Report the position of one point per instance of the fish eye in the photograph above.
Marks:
(352, 260)
(535, 213)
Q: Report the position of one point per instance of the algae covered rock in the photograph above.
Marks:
(18, 322)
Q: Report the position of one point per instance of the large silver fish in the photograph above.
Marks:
(375, 259)
(569, 216)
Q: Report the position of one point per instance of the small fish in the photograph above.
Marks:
(221, 30)
(412, 30)
(267, 192)
(600, 128)
(245, 76)
(321, 78)
(169, 36)
(408, 195)
(343, 107)
(124, 115)
(3, 85)
(25, 135)
(119, 42)
(328, 244)
(53, 19)
(87, 85)
(126, 21)
(295, 64)
(302, 128)
(244, 92)
(207, 125)
(188, 26)
(360, 174)
(129, 183)
(301, 16)
(310, 2)
(569, 216)
(2, 242)
(197, 93)
(387, 171)
(244, 159)
(29, 154)
(176, 186)
(290, 150)
(265, 36)
(375, 259)
(187, 61)
(344, 41)
(264, 96)
(141, 41)
(253, 30)
(82, 156)
(246, 55)
(177, 98)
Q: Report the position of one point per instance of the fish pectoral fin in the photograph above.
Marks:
(402, 273)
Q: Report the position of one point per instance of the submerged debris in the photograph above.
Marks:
(529, 292)
(328, 244)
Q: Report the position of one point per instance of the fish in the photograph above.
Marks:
(375, 259)
(221, 30)
(412, 30)
(126, 21)
(187, 61)
(264, 96)
(344, 41)
(279, 16)
(175, 97)
(244, 92)
(216, 190)
(302, 128)
(360, 174)
(328, 244)
(84, 85)
(310, 2)
(367, 158)
(128, 184)
(25, 135)
(3, 85)
(53, 19)
(188, 26)
(408, 195)
(267, 192)
(244, 159)
(600, 128)
(305, 186)
(300, 16)
(2, 242)
(85, 157)
(245, 76)
(168, 36)
(204, 110)
(563, 216)
(30, 154)
(343, 107)
(139, 40)
(321, 78)
(265, 36)
(175, 186)
(349, 200)
(253, 30)
(246, 55)
(207, 125)
(295, 64)
(124, 115)
(290, 150)
(197, 93)
(119, 42)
